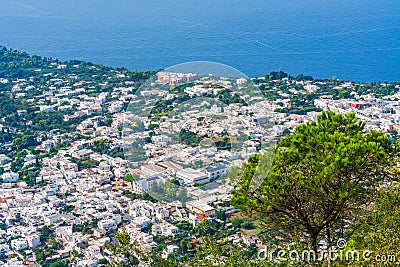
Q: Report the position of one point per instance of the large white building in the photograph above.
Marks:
(150, 170)
(18, 244)
(33, 240)
(108, 224)
(144, 184)
(216, 170)
(161, 139)
(191, 176)
(200, 208)
(165, 229)
(52, 219)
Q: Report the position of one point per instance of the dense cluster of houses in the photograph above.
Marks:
(83, 205)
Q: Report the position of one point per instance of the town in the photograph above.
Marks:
(88, 151)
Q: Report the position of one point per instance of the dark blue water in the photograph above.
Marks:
(352, 39)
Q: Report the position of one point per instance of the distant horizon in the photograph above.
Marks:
(183, 63)
(353, 40)
(159, 69)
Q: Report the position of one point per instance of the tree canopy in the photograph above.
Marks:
(322, 174)
(380, 231)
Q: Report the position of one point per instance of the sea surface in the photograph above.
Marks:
(351, 39)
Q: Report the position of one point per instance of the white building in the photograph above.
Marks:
(33, 240)
(47, 108)
(88, 263)
(48, 144)
(191, 176)
(162, 214)
(10, 177)
(140, 237)
(311, 87)
(108, 224)
(52, 219)
(170, 166)
(216, 170)
(63, 231)
(170, 249)
(141, 185)
(201, 209)
(151, 170)
(141, 222)
(165, 229)
(161, 139)
(18, 244)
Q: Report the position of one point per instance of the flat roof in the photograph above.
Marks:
(191, 173)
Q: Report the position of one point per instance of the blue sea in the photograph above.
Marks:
(351, 39)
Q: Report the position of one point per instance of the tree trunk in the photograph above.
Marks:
(314, 241)
(328, 242)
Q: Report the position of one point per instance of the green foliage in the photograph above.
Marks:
(5, 137)
(380, 230)
(101, 146)
(59, 263)
(16, 64)
(153, 126)
(164, 106)
(40, 256)
(85, 164)
(41, 121)
(130, 194)
(242, 223)
(170, 191)
(68, 208)
(301, 77)
(123, 247)
(103, 261)
(220, 214)
(236, 222)
(174, 181)
(276, 75)
(181, 88)
(45, 234)
(128, 178)
(189, 138)
(108, 121)
(84, 228)
(300, 111)
(184, 226)
(211, 253)
(321, 174)
(227, 96)
(224, 143)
